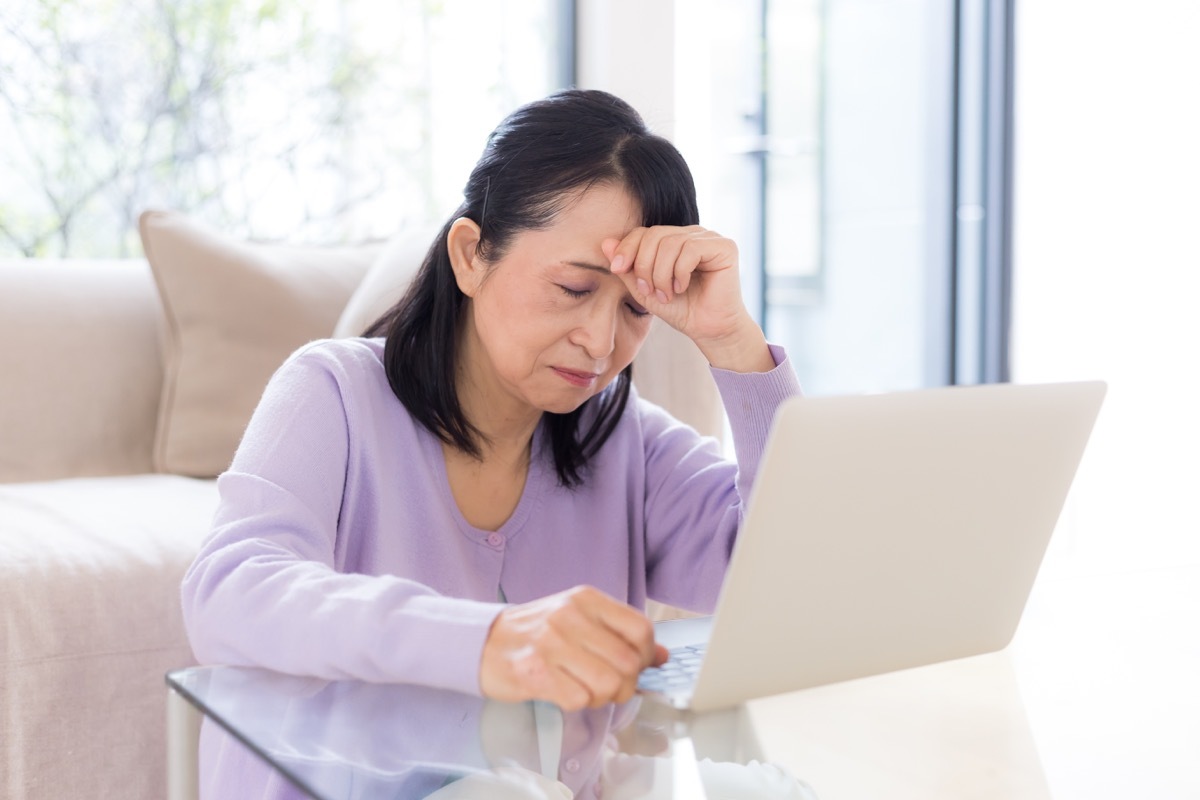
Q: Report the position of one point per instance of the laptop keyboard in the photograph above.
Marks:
(679, 672)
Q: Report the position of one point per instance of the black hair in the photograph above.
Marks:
(534, 163)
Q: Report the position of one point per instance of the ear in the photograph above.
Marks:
(463, 243)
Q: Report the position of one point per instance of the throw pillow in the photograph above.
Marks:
(387, 279)
(234, 311)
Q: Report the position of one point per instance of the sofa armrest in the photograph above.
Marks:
(80, 368)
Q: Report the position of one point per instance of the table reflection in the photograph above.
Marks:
(347, 739)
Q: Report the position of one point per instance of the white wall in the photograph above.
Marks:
(1107, 260)
(627, 47)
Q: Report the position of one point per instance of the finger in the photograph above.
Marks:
(667, 257)
(608, 645)
(629, 624)
(604, 663)
(676, 257)
(608, 628)
(623, 658)
(566, 691)
(627, 691)
(695, 251)
(624, 254)
(609, 248)
(619, 618)
(643, 264)
(601, 683)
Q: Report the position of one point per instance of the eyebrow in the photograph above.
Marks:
(586, 265)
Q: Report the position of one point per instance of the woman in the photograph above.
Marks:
(478, 500)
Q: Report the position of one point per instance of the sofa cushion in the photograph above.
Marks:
(80, 369)
(90, 621)
(234, 312)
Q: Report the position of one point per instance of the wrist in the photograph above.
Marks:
(743, 349)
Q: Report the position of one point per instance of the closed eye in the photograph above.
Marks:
(634, 308)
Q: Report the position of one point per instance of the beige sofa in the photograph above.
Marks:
(124, 386)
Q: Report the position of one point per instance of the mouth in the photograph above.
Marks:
(575, 377)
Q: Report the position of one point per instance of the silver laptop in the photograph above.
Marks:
(883, 532)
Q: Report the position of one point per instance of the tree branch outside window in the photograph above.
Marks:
(311, 120)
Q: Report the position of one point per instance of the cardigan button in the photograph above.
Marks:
(572, 765)
(495, 539)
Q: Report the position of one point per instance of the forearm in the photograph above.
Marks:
(300, 618)
(696, 498)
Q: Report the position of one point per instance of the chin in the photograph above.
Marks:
(567, 402)
(564, 406)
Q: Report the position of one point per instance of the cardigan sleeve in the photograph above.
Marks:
(695, 498)
(264, 590)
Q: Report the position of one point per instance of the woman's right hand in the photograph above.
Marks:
(579, 648)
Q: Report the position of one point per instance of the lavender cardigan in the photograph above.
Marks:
(337, 550)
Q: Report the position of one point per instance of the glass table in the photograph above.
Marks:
(1096, 699)
(341, 739)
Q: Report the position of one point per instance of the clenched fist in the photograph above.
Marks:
(578, 648)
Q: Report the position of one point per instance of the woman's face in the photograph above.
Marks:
(553, 325)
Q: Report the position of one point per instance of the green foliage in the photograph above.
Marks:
(269, 119)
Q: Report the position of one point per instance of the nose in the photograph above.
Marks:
(597, 332)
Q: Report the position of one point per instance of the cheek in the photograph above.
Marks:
(631, 335)
(505, 309)
(517, 329)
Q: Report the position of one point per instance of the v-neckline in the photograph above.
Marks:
(530, 495)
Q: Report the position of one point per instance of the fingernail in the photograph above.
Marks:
(643, 287)
(618, 263)
(662, 296)
(678, 287)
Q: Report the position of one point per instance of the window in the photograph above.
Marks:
(858, 153)
(316, 120)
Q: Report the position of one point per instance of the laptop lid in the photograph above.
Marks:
(891, 531)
